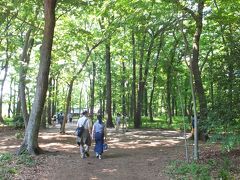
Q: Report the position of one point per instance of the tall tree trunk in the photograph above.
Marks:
(54, 100)
(49, 103)
(133, 97)
(5, 68)
(123, 89)
(145, 107)
(146, 70)
(30, 142)
(15, 98)
(24, 62)
(80, 100)
(68, 102)
(10, 111)
(92, 85)
(169, 88)
(196, 71)
(198, 18)
(137, 118)
(108, 85)
(155, 77)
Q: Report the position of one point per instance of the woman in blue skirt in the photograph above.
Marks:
(99, 134)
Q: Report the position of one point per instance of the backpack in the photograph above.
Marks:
(79, 130)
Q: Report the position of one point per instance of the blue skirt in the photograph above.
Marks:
(99, 140)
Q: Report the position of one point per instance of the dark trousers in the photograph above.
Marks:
(99, 140)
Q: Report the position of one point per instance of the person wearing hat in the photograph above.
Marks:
(84, 141)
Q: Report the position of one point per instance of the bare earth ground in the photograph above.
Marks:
(133, 155)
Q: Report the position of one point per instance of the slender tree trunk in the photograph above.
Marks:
(123, 89)
(24, 62)
(30, 142)
(137, 119)
(28, 99)
(5, 68)
(169, 87)
(108, 85)
(145, 107)
(10, 111)
(68, 102)
(54, 101)
(155, 77)
(14, 98)
(133, 97)
(170, 80)
(196, 71)
(92, 84)
(80, 101)
(49, 104)
(146, 70)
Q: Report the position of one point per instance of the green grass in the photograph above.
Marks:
(211, 169)
(161, 123)
(183, 170)
(10, 164)
(9, 121)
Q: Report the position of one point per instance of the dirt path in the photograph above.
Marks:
(134, 155)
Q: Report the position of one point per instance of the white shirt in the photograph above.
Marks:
(81, 121)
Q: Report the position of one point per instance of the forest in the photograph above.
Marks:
(158, 62)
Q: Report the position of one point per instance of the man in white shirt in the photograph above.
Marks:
(84, 141)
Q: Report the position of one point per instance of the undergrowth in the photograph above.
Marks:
(212, 169)
(10, 164)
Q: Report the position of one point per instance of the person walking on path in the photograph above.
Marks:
(84, 141)
(60, 120)
(99, 133)
(125, 121)
(70, 117)
(118, 121)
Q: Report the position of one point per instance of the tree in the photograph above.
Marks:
(24, 62)
(30, 142)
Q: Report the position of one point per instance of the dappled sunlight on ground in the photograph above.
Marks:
(143, 138)
(109, 170)
(133, 153)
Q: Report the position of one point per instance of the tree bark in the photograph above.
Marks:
(68, 102)
(10, 111)
(123, 89)
(155, 77)
(43, 118)
(30, 142)
(195, 67)
(5, 68)
(108, 84)
(92, 86)
(24, 61)
(133, 97)
(137, 118)
(49, 103)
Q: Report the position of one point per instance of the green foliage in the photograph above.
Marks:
(18, 122)
(26, 160)
(211, 169)
(5, 169)
(5, 173)
(10, 163)
(5, 157)
(193, 170)
(228, 141)
(161, 123)
(8, 121)
(224, 172)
